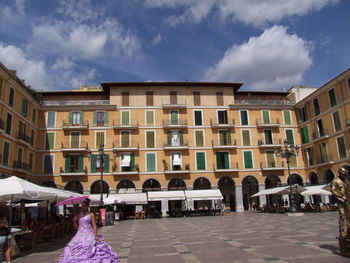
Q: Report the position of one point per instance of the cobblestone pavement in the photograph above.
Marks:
(237, 237)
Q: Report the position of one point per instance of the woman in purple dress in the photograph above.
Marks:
(86, 246)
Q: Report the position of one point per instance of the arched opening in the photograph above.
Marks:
(272, 181)
(151, 185)
(250, 186)
(125, 186)
(96, 186)
(177, 184)
(201, 183)
(297, 179)
(313, 178)
(228, 191)
(74, 186)
(328, 176)
(49, 184)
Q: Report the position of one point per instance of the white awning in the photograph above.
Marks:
(125, 162)
(166, 195)
(132, 199)
(317, 190)
(210, 194)
(177, 160)
(283, 190)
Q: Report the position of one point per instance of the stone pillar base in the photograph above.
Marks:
(344, 246)
(295, 214)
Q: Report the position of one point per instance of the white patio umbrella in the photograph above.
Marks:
(283, 190)
(317, 190)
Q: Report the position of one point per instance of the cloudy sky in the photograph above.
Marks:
(267, 44)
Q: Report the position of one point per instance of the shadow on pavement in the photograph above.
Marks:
(333, 249)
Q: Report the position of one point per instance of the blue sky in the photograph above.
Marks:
(267, 44)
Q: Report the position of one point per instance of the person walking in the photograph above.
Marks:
(4, 234)
(87, 246)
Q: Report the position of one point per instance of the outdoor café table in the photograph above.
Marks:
(16, 232)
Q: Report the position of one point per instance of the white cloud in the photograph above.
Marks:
(157, 39)
(256, 12)
(271, 61)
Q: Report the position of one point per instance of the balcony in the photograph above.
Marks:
(126, 171)
(181, 124)
(264, 102)
(2, 126)
(83, 125)
(176, 169)
(74, 102)
(266, 144)
(320, 135)
(176, 146)
(131, 124)
(222, 144)
(23, 138)
(233, 168)
(128, 147)
(73, 172)
(69, 147)
(271, 123)
(271, 166)
(325, 159)
(175, 104)
(229, 124)
(18, 165)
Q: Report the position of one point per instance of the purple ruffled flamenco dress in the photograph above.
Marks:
(83, 248)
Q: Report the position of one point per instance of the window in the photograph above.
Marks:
(270, 159)
(266, 116)
(74, 164)
(222, 160)
(150, 118)
(125, 142)
(100, 118)
(48, 164)
(305, 134)
(323, 152)
(74, 139)
(287, 117)
(33, 115)
(246, 137)
(302, 114)
(49, 141)
(19, 155)
(290, 137)
(293, 160)
(75, 118)
(174, 117)
(11, 96)
(348, 81)
(125, 118)
(199, 138)
(225, 138)
(332, 97)
(219, 99)
(149, 98)
(1, 83)
(30, 161)
(248, 159)
(125, 98)
(198, 117)
(6, 154)
(22, 130)
(196, 98)
(175, 138)
(316, 107)
(51, 119)
(173, 97)
(309, 153)
(96, 163)
(336, 121)
(32, 137)
(200, 160)
(222, 117)
(24, 107)
(244, 117)
(127, 162)
(151, 162)
(150, 140)
(8, 123)
(268, 137)
(320, 130)
(100, 139)
(341, 147)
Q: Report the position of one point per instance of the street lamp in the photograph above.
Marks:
(100, 165)
(287, 151)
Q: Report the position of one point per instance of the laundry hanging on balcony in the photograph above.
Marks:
(125, 162)
(177, 160)
(175, 140)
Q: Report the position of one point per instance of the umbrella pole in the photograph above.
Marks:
(47, 211)
(10, 214)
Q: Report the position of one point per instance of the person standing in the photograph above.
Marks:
(87, 245)
(4, 234)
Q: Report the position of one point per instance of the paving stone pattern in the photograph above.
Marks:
(237, 237)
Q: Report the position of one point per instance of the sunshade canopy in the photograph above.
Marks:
(207, 194)
(169, 195)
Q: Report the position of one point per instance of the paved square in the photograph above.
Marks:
(237, 237)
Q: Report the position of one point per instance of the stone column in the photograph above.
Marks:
(190, 204)
(165, 207)
(262, 198)
(239, 199)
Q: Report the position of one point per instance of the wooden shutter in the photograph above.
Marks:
(323, 152)
(70, 118)
(218, 160)
(246, 137)
(125, 118)
(150, 139)
(248, 160)
(227, 162)
(106, 122)
(50, 136)
(341, 147)
(305, 134)
(151, 162)
(268, 136)
(293, 160)
(149, 98)
(196, 98)
(80, 163)
(337, 122)
(290, 137)
(95, 119)
(149, 118)
(125, 98)
(100, 138)
(106, 163)
(93, 163)
(287, 117)
(266, 116)
(219, 99)
(222, 138)
(24, 107)
(270, 156)
(125, 139)
(199, 139)
(8, 123)
(74, 140)
(169, 137)
(33, 115)
(132, 162)
(6, 151)
(11, 96)
(181, 135)
(81, 118)
(51, 119)
(200, 160)
(173, 97)
(67, 164)
(174, 118)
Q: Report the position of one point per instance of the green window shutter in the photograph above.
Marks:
(246, 138)
(337, 122)
(287, 117)
(266, 117)
(270, 156)
(74, 141)
(93, 163)
(8, 124)
(305, 134)
(80, 164)
(181, 134)
(106, 122)
(95, 119)
(132, 162)
(81, 118)
(174, 118)
(100, 138)
(290, 137)
(49, 140)
(150, 139)
(125, 139)
(323, 152)
(106, 163)
(228, 134)
(67, 167)
(218, 160)
(24, 107)
(125, 118)
(248, 160)
(5, 156)
(199, 139)
(149, 118)
(50, 119)
(33, 115)
(293, 160)
(222, 139)
(70, 118)
(332, 97)
(341, 147)
(48, 169)
(169, 138)
(227, 162)
(151, 162)
(200, 160)
(11, 96)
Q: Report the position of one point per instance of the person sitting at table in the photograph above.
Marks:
(4, 235)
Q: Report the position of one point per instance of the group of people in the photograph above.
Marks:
(5, 250)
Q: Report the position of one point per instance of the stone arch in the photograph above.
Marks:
(151, 185)
(328, 176)
(95, 187)
(49, 184)
(227, 187)
(313, 178)
(201, 183)
(74, 186)
(272, 181)
(296, 179)
(177, 184)
(250, 186)
(124, 185)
